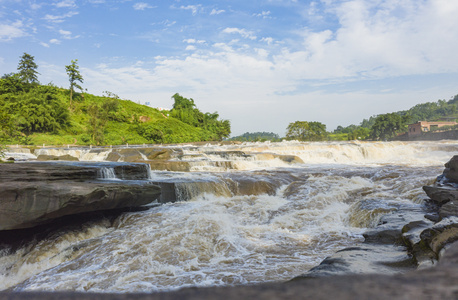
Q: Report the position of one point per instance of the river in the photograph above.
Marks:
(243, 216)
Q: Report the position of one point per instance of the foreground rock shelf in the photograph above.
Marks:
(35, 193)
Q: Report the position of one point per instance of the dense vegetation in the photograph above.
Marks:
(306, 131)
(32, 113)
(257, 137)
(386, 126)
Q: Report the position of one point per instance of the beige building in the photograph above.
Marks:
(423, 126)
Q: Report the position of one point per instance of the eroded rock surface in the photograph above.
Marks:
(36, 193)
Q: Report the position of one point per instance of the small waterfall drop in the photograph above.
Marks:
(107, 173)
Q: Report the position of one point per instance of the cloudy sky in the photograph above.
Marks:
(261, 63)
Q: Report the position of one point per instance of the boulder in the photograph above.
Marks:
(450, 209)
(441, 195)
(160, 153)
(451, 169)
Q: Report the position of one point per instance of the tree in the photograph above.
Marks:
(28, 69)
(98, 118)
(11, 83)
(386, 126)
(306, 131)
(360, 133)
(39, 110)
(74, 76)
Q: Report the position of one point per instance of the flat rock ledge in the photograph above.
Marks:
(36, 193)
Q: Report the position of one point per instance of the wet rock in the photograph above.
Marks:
(175, 166)
(37, 193)
(129, 155)
(451, 169)
(67, 157)
(441, 195)
(253, 186)
(291, 159)
(421, 252)
(24, 205)
(160, 153)
(450, 209)
(366, 258)
(113, 156)
(411, 232)
(441, 234)
(390, 227)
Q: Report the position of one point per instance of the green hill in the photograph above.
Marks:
(36, 114)
(440, 110)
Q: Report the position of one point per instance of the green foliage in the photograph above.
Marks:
(186, 111)
(39, 114)
(256, 137)
(351, 132)
(36, 111)
(360, 133)
(33, 113)
(27, 69)
(306, 131)
(74, 77)
(98, 118)
(172, 131)
(12, 83)
(386, 126)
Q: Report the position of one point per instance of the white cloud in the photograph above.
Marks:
(11, 31)
(59, 18)
(54, 41)
(141, 6)
(263, 14)
(268, 40)
(217, 12)
(194, 41)
(193, 8)
(35, 6)
(67, 34)
(290, 81)
(66, 3)
(243, 32)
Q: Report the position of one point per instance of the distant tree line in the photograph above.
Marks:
(387, 126)
(257, 137)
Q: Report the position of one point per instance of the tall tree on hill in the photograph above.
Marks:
(27, 69)
(74, 76)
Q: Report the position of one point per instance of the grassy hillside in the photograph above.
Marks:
(37, 114)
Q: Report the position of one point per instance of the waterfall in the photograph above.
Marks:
(107, 173)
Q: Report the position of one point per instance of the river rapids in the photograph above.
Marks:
(259, 220)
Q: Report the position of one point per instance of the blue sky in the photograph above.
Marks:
(260, 64)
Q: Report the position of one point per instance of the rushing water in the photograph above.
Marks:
(245, 216)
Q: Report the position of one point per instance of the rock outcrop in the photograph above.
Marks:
(35, 193)
(159, 158)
